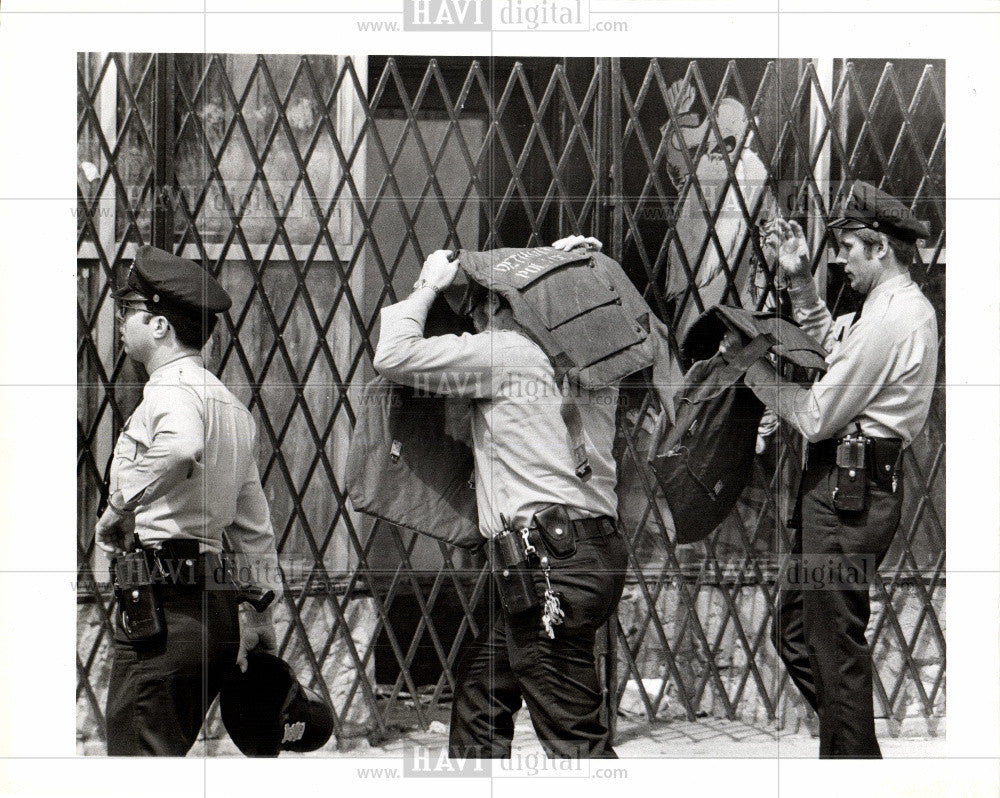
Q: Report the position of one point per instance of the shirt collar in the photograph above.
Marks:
(890, 286)
(176, 363)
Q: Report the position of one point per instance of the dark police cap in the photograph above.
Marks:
(172, 283)
(266, 710)
(870, 207)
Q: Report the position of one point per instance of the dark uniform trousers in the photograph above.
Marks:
(160, 690)
(513, 659)
(823, 608)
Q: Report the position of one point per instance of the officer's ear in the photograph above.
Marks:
(159, 326)
(883, 246)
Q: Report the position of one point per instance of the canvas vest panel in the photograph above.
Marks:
(410, 463)
(410, 459)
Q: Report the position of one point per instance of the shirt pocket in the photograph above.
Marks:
(132, 443)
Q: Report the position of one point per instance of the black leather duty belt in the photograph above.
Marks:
(884, 461)
(181, 563)
(883, 449)
(602, 526)
(177, 549)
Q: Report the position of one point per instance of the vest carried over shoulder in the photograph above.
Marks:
(578, 306)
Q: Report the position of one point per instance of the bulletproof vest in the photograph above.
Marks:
(578, 306)
(784, 337)
(410, 459)
(410, 463)
(703, 462)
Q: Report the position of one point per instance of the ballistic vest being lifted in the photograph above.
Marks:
(578, 306)
(410, 465)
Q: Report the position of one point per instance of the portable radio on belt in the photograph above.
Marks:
(509, 563)
(510, 553)
(140, 614)
(852, 474)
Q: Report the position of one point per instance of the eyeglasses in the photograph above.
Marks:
(123, 306)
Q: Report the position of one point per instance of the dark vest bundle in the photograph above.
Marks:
(704, 461)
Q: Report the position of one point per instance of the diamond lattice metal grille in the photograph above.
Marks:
(314, 186)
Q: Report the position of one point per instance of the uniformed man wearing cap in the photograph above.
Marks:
(183, 474)
(857, 419)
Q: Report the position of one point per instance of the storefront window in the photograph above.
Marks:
(247, 146)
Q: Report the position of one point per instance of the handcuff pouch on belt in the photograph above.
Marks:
(139, 611)
(555, 530)
(851, 491)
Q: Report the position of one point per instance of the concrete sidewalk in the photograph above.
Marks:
(704, 738)
(712, 737)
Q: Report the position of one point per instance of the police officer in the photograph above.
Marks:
(867, 408)
(183, 474)
(523, 464)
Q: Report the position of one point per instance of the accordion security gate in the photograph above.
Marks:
(313, 187)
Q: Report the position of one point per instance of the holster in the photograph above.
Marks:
(139, 611)
(511, 572)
